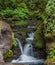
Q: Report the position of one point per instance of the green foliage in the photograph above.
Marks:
(50, 8)
(49, 23)
(14, 42)
(21, 11)
(18, 7)
(39, 44)
(22, 22)
(50, 26)
(9, 53)
(38, 37)
(32, 5)
(52, 51)
(51, 54)
(39, 14)
(50, 19)
(9, 3)
(7, 12)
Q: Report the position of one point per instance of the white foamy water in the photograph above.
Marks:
(27, 59)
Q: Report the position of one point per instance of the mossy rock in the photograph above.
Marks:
(39, 45)
(13, 40)
(50, 61)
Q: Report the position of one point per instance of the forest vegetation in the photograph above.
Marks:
(38, 12)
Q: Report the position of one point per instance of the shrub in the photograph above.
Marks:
(50, 19)
(7, 12)
(21, 11)
(52, 50)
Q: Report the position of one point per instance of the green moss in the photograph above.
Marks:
(21, 11)
(38, 37)
(52, 51)
(7, 12)
(39, 45)
(9, 53)
(21, 22)
(14, 43)
(50, 61)
(51, 55)
(13, 40)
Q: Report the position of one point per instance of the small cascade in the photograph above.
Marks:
(20, 46)
(30, 38)
(27, 52)
(28, 49)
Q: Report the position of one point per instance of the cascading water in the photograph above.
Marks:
(28, 49)
(20, 46)
(27, 52)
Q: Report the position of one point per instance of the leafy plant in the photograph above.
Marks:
(21, 11)
(32, 5)
(50, 8)
(21, 22)
(50, 19)
(7, 12)
(9, 53)
(52, 51)
(14, 42)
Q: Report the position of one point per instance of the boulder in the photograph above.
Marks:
(5, 38)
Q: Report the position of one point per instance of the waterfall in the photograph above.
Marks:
(27, 53)
(28, 49)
